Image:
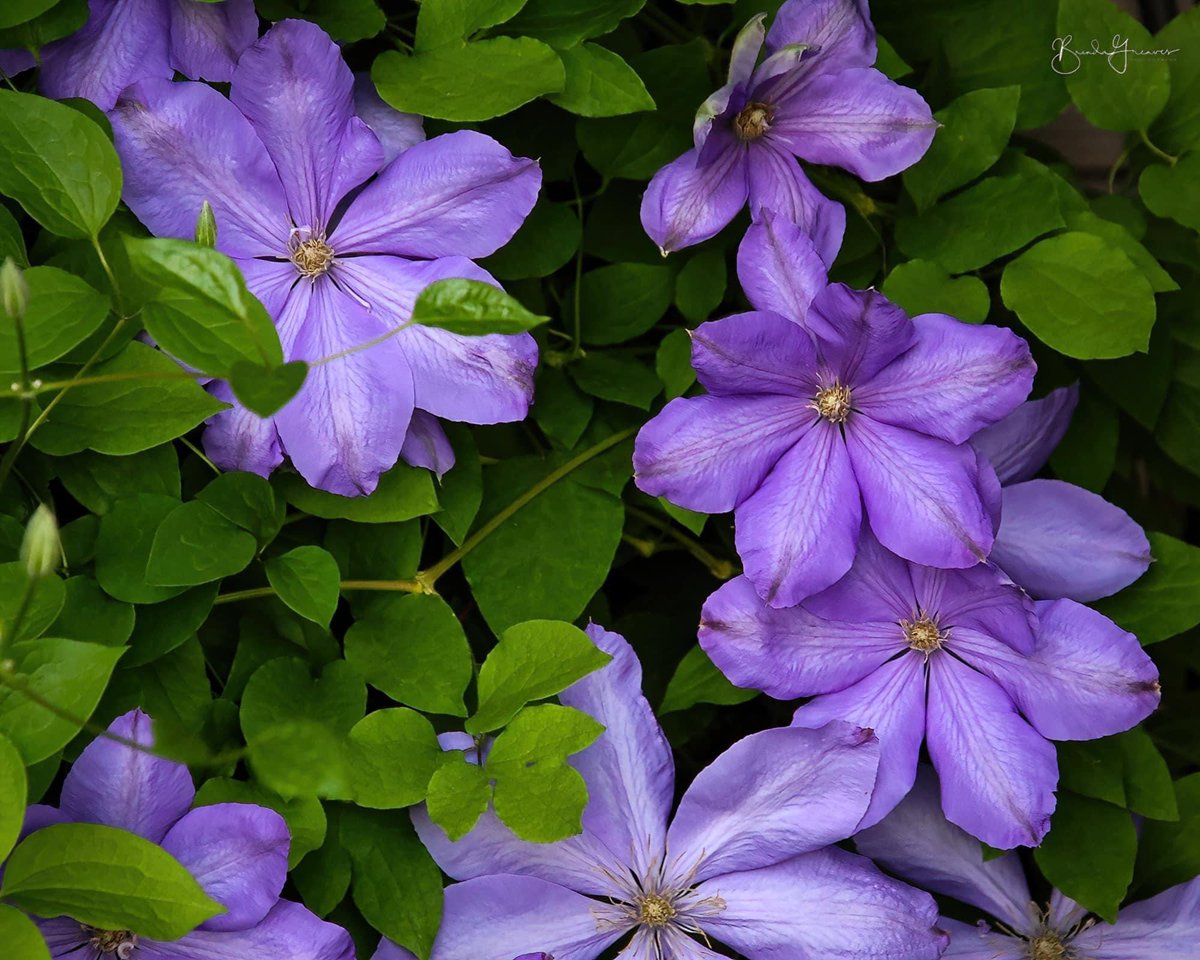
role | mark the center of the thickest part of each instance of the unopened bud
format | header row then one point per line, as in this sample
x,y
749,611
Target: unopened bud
x,y
14,291
41,549
206,226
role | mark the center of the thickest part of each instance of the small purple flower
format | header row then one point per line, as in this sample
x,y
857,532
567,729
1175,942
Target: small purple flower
x,y
745,861
237,852
960,659
128,40
846,404
915,842
1056,539
815,96
338,261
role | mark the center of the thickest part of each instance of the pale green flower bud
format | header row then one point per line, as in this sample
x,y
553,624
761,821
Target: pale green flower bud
x,y
14,291
206,226
41,549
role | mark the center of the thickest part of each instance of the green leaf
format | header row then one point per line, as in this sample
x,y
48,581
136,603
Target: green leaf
x,y
1173,191
304,815
413,648
344,20
444,21
13,787
700,285
1163,603
307,579
124,544
265,390
283,689
469,81
46,598
161,627
63,311
461,488
562,410
89,614
600,84
541,735
98,481
21,936
1089,852
673,363
19,11
458,795
921,286
532,661
247,500
620,301
200,311
1126,770
323,878
1122,92
1080,296
697,680
148,401
1169,853
300,758
546,240
1117,235
404,492
12,242
616,376
195,544
1178,125
1088,452
57,164
472,308
564,23
975,131
392,755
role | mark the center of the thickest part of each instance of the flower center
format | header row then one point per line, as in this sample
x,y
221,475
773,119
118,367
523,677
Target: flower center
x,y
833,403
753,121
120,943
1047,946
312,257
924,636
655,910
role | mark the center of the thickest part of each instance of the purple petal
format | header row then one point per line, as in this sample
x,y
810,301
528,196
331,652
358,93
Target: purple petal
x,y
208,38
118,786
710,453
778,185
824,904
770,796
788,653
779,268
751,353
922,495
838,31
1019,445
916,842
980,599
183,143
13,62
298,94
998,774
891,702
504,916
288,932
877,590
688,201
426,444
629,770
238,853
387,950
239,439
981,942
955,379
796,534
1086,677
1064,913
460,194
1165,927
1059,540
64,936
348,422
395,131
859,332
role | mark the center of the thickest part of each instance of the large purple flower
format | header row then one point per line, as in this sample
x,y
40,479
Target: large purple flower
x,y
337,264
128,40
237,852
745,861
815,96
916,843
845,404
1056,539
960,659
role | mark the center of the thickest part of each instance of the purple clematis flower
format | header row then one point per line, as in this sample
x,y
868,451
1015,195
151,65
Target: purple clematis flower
x,y
128,40
337,263
815,96
745,861
960,659
238,853
825,401
1048,527
915,842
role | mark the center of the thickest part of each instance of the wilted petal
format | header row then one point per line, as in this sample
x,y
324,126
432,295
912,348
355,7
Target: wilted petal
x,y
460,194
395,131
770,796
118,786
1019,445
779,268
288,932
426,444
1086,677
778,185
839,32
1059,540
688,201
998,774
208,38
1166,927
916,842
859,332
954,380
829,904
745,50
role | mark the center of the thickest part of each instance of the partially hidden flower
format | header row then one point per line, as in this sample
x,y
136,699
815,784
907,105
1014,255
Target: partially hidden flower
x,y
961,660
824,403
123,41
815,96
1056,539
337,243
238,853
917,843
745,861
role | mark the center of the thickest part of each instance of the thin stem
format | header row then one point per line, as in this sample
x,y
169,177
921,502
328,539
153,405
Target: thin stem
x,y
1156,150
718,567
25,399
577,337
398,586
108,271
200,453
1117,164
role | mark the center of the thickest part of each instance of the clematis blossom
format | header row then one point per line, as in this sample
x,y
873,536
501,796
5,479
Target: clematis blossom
x,y
815,96
238,853
744,861
917,843
1056,539
961,660
824,403
123,41
337,244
